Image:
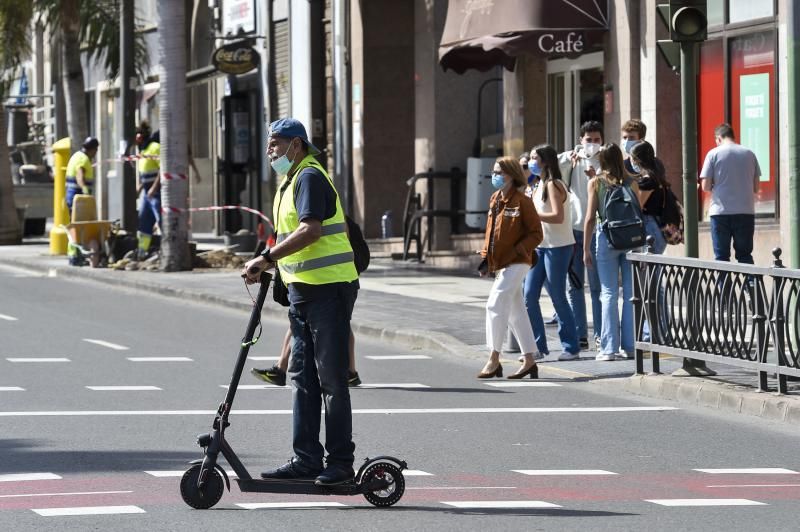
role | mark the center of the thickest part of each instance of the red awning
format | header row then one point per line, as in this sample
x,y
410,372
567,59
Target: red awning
x,y
481,34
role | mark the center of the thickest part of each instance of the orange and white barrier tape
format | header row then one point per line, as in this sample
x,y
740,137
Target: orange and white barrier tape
x,y
260,214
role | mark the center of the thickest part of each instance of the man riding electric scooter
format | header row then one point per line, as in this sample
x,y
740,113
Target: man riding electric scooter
x,y
315,260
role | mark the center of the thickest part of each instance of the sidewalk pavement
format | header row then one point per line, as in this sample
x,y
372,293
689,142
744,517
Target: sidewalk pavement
x,y
422,308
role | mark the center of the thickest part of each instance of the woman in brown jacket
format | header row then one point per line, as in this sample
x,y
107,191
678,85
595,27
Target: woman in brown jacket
x,y
513,231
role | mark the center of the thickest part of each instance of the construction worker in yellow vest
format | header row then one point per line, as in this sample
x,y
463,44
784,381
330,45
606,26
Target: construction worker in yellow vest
x,y
315,260
80,173
148,186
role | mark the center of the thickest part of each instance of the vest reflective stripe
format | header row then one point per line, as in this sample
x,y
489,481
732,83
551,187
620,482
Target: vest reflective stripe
x,y
329,259
326,230
148,177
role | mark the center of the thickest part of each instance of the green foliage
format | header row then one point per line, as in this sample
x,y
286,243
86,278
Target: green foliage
x,y
15,18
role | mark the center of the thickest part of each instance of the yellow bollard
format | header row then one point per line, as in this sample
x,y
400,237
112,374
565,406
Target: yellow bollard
x,y
58,235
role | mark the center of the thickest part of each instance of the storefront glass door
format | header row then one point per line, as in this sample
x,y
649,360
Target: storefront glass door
x,y
574,95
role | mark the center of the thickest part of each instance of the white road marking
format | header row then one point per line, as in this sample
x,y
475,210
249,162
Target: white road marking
x,y
416,473
21,477
563,472
38,359
160,359
179,473
116,347
263,358
500,504
755,486
749,471
123,388
531,410
89,510
6,317
11,389
523,384
258,387
404,385
289,505
706,502
67,494
456,488
399,357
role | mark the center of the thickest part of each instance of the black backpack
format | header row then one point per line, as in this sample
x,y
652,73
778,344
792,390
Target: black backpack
x,y
359,245
623,223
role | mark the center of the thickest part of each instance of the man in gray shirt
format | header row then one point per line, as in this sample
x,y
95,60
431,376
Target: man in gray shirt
x,y
730,172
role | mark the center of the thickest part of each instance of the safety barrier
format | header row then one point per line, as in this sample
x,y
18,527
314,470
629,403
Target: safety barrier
x,y
736,314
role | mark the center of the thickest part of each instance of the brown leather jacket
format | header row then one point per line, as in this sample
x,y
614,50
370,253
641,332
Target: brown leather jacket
x,y
517,230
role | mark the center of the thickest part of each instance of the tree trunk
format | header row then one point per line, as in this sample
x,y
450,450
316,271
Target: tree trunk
x,y
72,73
10,232
175,254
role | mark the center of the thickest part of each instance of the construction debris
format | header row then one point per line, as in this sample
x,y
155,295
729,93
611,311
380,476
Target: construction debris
x,y
215,259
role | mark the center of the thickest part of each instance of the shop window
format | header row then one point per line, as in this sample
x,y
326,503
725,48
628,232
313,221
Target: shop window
x,y
716,12
752,102
743,10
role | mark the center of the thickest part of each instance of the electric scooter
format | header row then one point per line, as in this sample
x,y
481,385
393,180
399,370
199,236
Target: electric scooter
x,y
380,480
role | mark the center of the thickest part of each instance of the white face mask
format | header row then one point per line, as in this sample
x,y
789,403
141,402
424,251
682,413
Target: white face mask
x,y
590,149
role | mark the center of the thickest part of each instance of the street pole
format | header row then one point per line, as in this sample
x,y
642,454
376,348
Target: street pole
x,y
793,31
342,120
689,141
127,128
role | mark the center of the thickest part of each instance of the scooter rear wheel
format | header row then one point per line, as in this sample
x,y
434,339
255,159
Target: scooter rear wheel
x,y
211,493
392,493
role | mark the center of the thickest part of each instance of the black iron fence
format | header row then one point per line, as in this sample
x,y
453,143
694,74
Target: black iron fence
x,y
737,314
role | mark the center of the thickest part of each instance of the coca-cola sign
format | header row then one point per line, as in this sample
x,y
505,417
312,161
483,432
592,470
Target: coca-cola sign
x,y
235,58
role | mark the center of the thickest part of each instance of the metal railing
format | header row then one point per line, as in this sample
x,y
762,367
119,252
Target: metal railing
x,y
736,314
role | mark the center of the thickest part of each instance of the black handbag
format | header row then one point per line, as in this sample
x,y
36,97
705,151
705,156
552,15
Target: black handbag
x,y
280,292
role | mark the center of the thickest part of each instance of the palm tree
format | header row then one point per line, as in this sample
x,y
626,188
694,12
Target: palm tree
x,y
72,72
172,123
15,19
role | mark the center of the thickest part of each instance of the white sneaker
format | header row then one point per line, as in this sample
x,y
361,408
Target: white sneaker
x,y
605,357
569,356
625,355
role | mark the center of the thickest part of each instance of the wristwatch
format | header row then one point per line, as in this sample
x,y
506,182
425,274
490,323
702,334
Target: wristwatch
x,y
267,256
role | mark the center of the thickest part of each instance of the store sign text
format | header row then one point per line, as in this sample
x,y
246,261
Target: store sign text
x,y
571,43
236,58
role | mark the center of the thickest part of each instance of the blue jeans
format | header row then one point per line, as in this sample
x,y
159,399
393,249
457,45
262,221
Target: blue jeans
x,y
651,228
736,227
318,368
577,299
611,264
149,213
551,268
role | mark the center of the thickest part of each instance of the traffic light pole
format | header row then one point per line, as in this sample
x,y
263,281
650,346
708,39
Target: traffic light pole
x,y
129,216
793,48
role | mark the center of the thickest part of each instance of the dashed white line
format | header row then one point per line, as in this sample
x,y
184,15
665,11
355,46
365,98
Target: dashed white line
x,y
6,317
500,504
290,505
416,473
37,359
11,389
749,471
523,384
160,359
258,387
103,343
404,385
178,473
398,357
66,494
706,502
21,477
123,388
263,358
88,510
755,486
459,488
563,472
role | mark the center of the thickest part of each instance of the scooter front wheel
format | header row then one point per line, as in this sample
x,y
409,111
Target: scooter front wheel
x,y
211,493
392,493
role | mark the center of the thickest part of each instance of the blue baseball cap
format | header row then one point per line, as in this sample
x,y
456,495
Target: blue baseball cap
x,y
291,128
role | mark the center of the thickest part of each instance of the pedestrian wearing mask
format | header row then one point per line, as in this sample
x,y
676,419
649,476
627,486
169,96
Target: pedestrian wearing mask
x,y
512,233
611,264
577,168
652,191
551,199
634,132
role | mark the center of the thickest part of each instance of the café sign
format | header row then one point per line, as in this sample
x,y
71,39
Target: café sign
x,y
235,58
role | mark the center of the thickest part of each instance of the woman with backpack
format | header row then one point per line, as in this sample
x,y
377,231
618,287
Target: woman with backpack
x,y
652,192
551,199
513,231
613,181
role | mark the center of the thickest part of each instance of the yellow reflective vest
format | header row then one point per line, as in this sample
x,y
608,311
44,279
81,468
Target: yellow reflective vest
x,y
329,259
149,164
79,159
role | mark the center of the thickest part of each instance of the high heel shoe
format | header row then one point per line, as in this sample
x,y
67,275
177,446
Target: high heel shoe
x,y
498,372
533,371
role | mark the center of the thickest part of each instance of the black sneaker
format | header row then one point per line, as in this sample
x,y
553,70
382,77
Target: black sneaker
x,y
552,321
273,375
584,344
335,475
353,379
293,469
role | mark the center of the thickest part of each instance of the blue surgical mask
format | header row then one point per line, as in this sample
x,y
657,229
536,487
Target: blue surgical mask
x,y
636,168
627,144
534,167
498,181
282,164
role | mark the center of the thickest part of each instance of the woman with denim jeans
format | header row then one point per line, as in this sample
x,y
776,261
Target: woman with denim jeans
x,y
652,191
611,263
551,200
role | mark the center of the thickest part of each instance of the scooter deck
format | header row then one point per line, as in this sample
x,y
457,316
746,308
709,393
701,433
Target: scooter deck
x,y
298,486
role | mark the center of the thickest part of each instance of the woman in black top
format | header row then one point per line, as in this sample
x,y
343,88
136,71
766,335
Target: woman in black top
x,y
652,190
